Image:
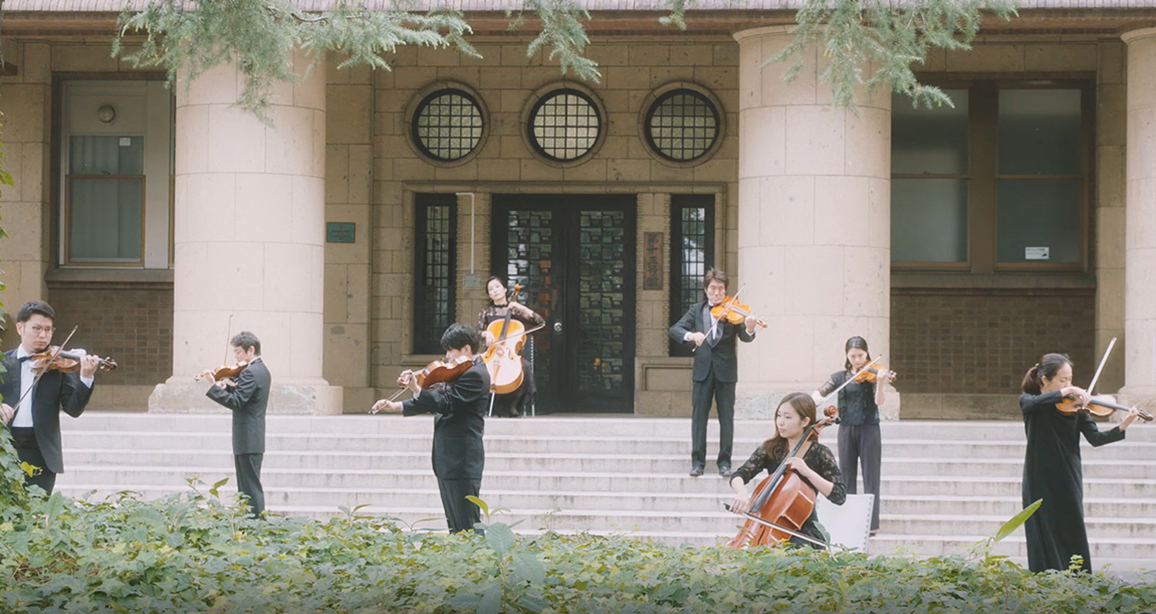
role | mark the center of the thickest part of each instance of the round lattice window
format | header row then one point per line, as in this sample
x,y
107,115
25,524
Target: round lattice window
x,y
682,125
447,125
564,125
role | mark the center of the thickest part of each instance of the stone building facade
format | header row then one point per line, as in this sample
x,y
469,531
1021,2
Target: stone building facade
x,y
962,243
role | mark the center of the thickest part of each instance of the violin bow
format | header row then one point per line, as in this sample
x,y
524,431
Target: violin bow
x,y
726,310
1103,361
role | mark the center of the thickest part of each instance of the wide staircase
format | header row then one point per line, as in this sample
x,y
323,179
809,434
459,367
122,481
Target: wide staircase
x,y
946,485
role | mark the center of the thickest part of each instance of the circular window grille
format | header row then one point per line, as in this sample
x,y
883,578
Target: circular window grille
x,y
447,125
564,125
682,125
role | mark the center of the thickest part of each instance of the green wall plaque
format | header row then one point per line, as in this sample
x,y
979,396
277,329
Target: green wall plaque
x,y
340,232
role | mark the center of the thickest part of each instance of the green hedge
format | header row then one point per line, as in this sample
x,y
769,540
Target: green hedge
x,y
195,553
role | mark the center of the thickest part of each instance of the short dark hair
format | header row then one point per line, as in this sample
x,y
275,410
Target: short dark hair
x,y
31,308
1048,366
458,336
497,279
246,340
714,274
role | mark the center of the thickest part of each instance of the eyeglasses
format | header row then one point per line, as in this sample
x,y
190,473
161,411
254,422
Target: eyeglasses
x,y
42,330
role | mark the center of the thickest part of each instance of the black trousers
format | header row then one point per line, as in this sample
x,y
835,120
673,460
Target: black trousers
x,y
723,394
461,514
249,480
861,443
28,451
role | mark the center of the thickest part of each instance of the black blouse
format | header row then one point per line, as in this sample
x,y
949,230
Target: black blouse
x,y
819,458
856,401
494,312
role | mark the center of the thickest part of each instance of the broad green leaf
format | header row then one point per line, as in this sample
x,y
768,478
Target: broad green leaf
x,y
500,539
527,568
1017,520
491,601
533,604
464,601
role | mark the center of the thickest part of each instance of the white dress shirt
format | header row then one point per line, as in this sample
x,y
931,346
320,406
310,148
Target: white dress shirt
x,y
24,409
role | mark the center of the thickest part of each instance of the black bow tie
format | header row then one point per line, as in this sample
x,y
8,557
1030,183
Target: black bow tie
x,y
25,357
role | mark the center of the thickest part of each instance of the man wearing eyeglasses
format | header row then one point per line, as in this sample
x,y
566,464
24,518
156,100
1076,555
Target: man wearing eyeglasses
x,y
32,403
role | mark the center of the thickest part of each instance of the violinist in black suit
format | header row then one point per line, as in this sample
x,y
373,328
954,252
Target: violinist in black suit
x,y
248,397
458,454
32,403
715,370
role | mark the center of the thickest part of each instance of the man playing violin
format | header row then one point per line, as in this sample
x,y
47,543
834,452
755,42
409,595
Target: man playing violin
x,y
715,370
458,454
33,401
247,396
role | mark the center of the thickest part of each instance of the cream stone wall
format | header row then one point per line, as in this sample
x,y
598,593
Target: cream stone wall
x,y
250,236
348,198
815,234
506,79
1140,255
26,101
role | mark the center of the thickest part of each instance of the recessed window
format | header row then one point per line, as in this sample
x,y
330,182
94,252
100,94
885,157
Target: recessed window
x,y
434,266
682,125
691,253
448,124
564,125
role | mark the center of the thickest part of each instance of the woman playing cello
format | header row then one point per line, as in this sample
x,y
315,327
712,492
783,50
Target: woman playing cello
x,y
1052,466
498,309
815,464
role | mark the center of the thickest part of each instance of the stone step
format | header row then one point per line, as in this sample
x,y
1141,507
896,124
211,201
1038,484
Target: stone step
x,y
531,427
959,524
672,450
368,463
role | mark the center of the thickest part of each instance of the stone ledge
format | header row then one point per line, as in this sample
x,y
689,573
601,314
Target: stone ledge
x,y
296,399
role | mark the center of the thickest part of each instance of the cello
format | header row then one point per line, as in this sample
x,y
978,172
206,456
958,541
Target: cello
x,y
783,501
503,357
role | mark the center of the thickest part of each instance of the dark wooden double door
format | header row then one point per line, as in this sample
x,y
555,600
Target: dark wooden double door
x,y
574,257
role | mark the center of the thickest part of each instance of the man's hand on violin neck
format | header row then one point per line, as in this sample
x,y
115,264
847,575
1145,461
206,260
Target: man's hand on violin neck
x,y
88,365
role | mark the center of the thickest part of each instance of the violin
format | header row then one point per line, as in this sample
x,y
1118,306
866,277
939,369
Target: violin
x,y
1070,407
783,501
224,372
730,310
502,358
435,373
53,358
870,374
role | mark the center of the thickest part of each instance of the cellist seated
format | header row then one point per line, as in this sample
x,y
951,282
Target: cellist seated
x,y
493,314
790,504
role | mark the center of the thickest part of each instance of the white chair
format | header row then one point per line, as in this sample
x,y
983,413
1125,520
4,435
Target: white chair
x,y
848,525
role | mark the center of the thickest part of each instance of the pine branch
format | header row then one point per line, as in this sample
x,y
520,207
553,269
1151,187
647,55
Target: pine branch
x,y
887,38
563,33
259,36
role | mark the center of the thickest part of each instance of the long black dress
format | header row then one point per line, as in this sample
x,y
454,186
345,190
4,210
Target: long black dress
x,y
819,458
1053,472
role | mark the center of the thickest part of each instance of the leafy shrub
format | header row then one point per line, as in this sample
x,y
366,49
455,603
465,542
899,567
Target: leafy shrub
x,y
194,552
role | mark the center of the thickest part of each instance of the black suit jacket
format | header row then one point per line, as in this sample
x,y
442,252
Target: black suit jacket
x,y
721,357
248,400
55,391
461,409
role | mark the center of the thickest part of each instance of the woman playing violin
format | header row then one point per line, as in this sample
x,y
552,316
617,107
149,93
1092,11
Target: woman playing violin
x,y
458,454
816,465
860,441
1052,465
509,404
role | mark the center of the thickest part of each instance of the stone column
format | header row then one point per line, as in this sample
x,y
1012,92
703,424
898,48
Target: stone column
x,y
1140,219
250,238
814,238
26,100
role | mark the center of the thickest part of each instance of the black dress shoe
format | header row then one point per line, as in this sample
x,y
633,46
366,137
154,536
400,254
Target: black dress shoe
x,y
725,471
696,471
